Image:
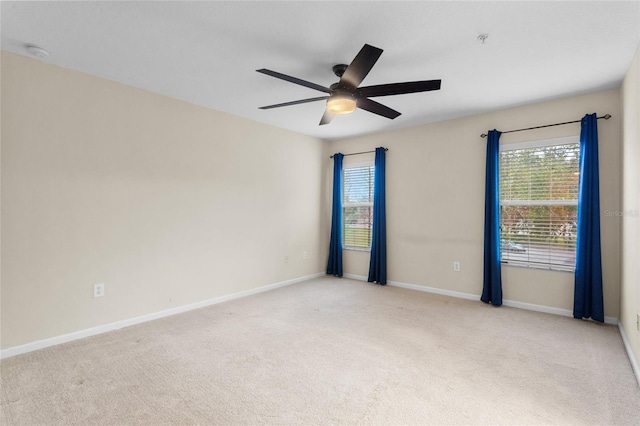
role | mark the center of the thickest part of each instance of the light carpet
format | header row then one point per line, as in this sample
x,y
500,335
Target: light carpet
x,y
332,351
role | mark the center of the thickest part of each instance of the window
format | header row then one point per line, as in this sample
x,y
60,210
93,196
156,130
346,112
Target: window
x,y
357,206
539,203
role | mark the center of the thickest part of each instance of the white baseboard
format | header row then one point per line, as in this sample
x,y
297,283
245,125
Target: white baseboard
x,y
634,362
458,294
551,310
469,296
355,277
52,341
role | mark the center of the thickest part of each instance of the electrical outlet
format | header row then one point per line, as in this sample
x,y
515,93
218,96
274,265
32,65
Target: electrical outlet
x,y
456,266
305,255
98,290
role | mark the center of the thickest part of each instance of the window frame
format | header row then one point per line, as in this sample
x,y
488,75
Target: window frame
x,y
540,143
362,164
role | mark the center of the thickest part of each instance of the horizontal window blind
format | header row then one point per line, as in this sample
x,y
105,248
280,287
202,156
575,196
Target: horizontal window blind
x,y
358,207
539,205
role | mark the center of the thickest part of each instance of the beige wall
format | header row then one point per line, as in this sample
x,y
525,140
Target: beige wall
x,y
168,203
630,288
164,202
435,200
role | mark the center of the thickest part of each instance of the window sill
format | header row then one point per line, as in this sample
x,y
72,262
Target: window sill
x,y
555,268
368,249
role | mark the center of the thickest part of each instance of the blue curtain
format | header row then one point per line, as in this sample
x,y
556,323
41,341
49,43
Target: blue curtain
x,y
334,265
492,282
588,301
378,261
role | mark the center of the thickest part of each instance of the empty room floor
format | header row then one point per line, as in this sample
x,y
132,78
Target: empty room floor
x,y
332,351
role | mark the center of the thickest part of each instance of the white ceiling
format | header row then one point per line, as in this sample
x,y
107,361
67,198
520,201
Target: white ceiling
x,y
207,52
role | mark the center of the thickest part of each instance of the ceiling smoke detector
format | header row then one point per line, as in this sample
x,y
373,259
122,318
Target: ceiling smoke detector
x,y
37,51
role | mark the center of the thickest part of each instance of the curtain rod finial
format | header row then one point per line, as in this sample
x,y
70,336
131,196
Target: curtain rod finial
x,y
607,116
484,135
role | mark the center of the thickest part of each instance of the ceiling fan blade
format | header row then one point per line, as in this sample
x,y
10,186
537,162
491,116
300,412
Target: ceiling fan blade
x,y
326,118
377,108
360,66
398,88
294,80
301,101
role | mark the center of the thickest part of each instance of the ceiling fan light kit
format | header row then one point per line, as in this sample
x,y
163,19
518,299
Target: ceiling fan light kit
x,y
345,95
341,104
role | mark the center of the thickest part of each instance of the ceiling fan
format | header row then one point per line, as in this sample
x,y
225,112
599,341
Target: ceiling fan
x,y
345,95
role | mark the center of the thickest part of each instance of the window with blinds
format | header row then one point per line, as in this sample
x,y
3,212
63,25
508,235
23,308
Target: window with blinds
x,y
539,203
357,204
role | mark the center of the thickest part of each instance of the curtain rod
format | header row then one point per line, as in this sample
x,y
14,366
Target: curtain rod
x,y
606,117
358,153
